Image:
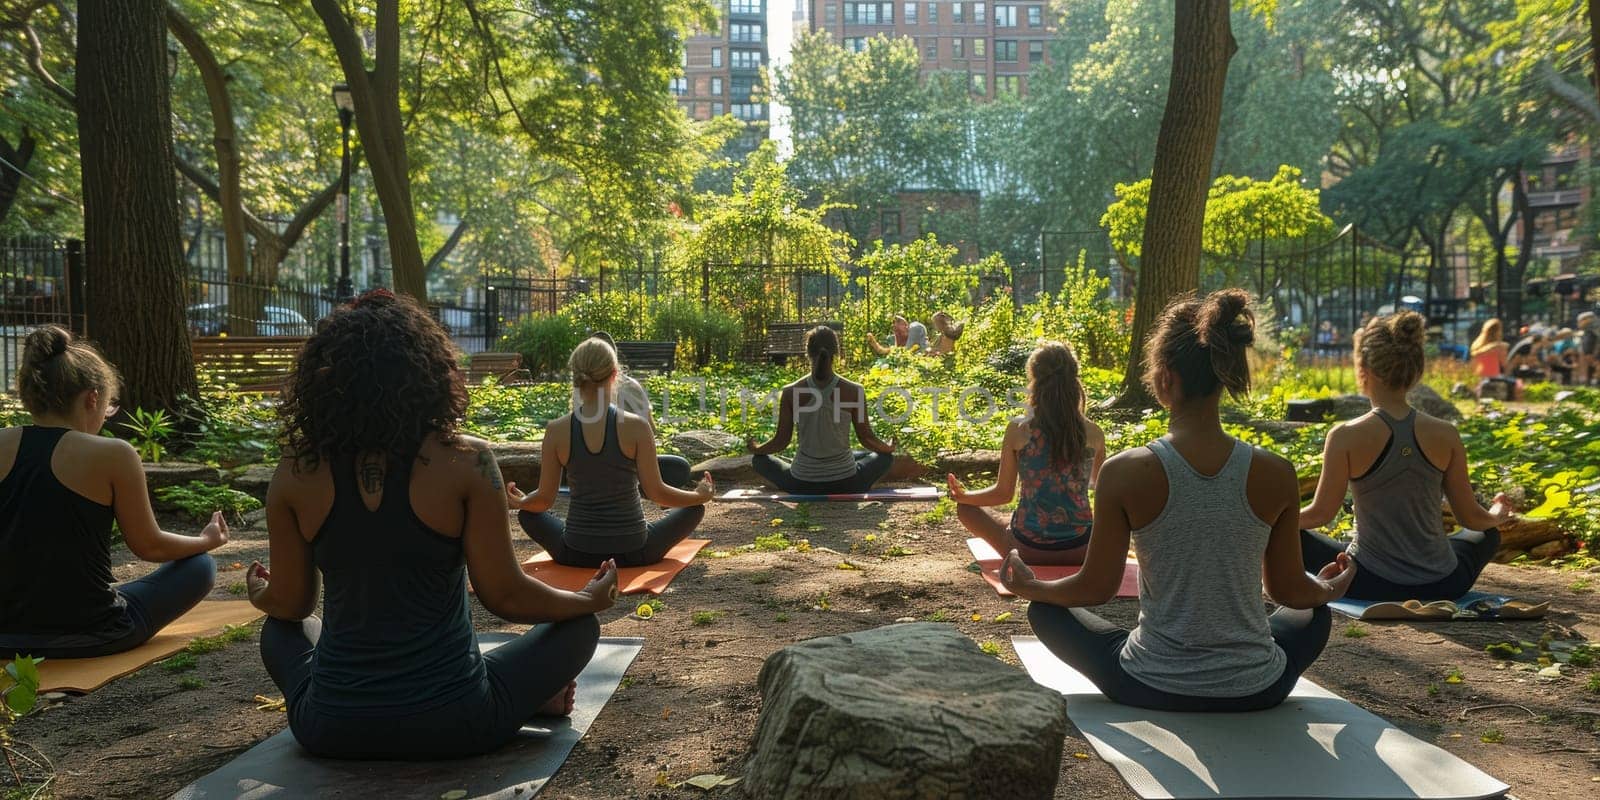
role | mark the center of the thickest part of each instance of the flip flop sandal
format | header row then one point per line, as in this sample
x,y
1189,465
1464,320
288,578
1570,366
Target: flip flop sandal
x,y
1408,610
1510,609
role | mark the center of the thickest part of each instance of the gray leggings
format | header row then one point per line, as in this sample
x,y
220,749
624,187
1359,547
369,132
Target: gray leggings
x,y
1093,646
870,468
520,677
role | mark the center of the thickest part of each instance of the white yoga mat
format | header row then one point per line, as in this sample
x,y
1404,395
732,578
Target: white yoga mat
x,y
1316,746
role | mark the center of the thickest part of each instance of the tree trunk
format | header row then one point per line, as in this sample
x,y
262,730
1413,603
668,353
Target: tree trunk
x,y
133,256
14,170
1202,45
382,130
1513,288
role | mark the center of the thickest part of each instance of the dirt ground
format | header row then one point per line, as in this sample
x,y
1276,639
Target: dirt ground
x,y
689,703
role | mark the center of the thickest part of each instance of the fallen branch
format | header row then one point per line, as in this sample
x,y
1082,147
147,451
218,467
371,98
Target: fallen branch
x,y
1470,709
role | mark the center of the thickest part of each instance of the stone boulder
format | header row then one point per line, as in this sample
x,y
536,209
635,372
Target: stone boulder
x,y
178,473
1350,406
253,480
519,463
730,471
1425,399
968,462
904,711
699,446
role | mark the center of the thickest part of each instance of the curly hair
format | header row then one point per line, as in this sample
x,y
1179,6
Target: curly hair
x,y
379,376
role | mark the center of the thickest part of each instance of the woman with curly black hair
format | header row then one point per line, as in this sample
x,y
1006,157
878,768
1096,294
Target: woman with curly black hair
x,y
378,492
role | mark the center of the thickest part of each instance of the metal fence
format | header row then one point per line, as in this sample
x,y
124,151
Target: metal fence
x,y
41,283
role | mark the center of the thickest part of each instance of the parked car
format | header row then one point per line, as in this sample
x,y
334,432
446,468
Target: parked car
x,y
213,319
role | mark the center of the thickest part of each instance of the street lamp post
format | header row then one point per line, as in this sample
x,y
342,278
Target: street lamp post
x,y
347,107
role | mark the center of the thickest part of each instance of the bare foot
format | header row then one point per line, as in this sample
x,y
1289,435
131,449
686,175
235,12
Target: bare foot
x,y
561,704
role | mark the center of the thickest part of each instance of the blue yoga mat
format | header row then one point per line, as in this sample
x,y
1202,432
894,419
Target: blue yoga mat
x,y
886,495
1355,608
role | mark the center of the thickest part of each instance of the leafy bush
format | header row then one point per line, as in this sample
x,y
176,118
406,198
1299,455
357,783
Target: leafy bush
x,y
545,342
705,333
624,315
198,500
148,432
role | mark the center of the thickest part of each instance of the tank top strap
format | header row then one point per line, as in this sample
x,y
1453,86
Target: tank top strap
x,y
38,445
1171,462
612,445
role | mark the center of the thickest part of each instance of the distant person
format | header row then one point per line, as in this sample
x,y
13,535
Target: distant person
x,y
379,497
911,335
948,332
820,411
1561,355
1212,520
1400,464
1052,456
65,490
609,456
1523,357
632,398
1488,355
1588,348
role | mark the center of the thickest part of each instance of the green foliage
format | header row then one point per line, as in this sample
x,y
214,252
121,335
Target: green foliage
x,y
190,683
1356,630
21,691
545,341
704,617
182,662
772,543
1492,736
211,644
198,500
704,333
148,432
990,647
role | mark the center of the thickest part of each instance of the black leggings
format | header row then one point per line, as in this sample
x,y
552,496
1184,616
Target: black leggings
x,y
674,471
550,532
153,602
870,468
1093,646
1474,549
520,677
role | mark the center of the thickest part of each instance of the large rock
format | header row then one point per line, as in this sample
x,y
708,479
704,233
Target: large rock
x,y
730,471
519,463
701,445
178,473
904,711
969,462
1425,399
1350,406
254,479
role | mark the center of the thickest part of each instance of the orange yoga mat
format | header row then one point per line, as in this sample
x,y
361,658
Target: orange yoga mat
x,y
88,674
630,580
989,561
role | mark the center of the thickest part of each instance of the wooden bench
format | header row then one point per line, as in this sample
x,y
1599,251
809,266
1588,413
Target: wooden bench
x,y
785,340
255,363
503,367
659,357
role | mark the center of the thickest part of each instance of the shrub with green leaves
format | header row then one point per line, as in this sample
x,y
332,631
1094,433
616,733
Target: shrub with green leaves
x,y
544,340
199,500
148,432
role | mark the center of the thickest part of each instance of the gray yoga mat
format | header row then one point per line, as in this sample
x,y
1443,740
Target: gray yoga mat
x,y
1316,746
277,768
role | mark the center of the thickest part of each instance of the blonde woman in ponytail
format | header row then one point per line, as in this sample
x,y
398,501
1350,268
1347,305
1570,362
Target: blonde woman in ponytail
x,y
1400,463
1054,454
62,487
609,456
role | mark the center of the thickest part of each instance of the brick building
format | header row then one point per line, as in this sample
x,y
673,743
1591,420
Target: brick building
x,y
723,69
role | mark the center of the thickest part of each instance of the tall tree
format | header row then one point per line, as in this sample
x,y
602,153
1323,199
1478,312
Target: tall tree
x,y
1202,45
133,262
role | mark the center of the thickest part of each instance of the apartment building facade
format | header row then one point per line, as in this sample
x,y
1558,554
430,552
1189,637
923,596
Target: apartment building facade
x,y
722,69
995,44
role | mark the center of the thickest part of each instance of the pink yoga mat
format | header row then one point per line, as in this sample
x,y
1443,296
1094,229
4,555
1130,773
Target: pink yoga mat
x,y
989,561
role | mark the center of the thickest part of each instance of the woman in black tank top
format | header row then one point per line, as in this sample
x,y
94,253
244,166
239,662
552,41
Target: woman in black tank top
x,y
394,509
56,516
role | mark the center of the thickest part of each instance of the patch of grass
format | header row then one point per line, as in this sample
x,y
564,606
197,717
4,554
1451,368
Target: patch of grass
x,y
1356,630
654,603
627,680
1454,676
822,603
940,512
703,617
189,683
237,588
1581,656
182,662
1433,690
941,616
772,543
1580,586
1492,736
229,635
781,618
1503,650
990,646
896,551
27,791
1594,682
761,578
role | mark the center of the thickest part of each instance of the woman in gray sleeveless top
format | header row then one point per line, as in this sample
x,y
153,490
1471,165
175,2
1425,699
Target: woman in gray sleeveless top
x,y
1399,464
1210,518
609,456
823,409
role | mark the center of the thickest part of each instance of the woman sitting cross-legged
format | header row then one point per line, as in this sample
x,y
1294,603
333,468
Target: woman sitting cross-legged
x,y
1054,453
380,494
1400,463
64,487
1211,519
609,456
823,407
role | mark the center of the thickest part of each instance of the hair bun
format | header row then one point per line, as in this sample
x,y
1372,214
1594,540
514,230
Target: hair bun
x,y
45,343
1408,327
1226,320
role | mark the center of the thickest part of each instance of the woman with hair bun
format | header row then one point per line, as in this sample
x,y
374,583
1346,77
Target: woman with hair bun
x,y
1399,463
1211,520
64,487
823,408
609,456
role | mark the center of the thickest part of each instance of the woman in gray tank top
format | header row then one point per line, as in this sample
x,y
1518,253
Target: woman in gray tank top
x,y
609,456
1399,464
823,409
1210,518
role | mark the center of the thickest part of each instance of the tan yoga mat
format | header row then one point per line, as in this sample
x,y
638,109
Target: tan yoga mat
x,y
989,561
88,674
630,580
1315,746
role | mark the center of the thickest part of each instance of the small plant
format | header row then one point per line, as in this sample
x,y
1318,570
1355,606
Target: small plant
x,y
1594,682
1580,586
1503,650
1454,676
761,578
1433,690
1492,736
189,683
991,647
211,644
781,618
1355,630
182,662
939,513
147,432
896,551
198,500
773,543
822,603
703,617
941,615
1581,656
237,588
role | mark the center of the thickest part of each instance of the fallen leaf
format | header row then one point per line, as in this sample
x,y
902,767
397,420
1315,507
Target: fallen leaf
x,y
1552,671
847,565
977,617
1081,756
705,782
1003,616
453,794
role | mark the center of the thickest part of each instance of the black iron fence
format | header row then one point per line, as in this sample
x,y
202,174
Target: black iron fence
x,y
41,283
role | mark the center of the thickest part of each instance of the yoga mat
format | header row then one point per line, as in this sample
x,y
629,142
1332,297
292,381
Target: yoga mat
x,y
88,674
278,768
1316,746
885,495
989,561
1357,608
630,580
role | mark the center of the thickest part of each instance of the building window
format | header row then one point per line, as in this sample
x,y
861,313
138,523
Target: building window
x,y
978,12
716,109
957,14
678,86
830,14
979,48
889,225
909,13
746,7
1005,16
1007,85
749,111
745,59
1035,16
930,48
958,47
855,44
933,13
869,13
744,32
1005,50
716,86
1035,52
743,86
716,56
980,84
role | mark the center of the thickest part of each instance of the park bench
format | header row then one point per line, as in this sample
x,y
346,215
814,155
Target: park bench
x,y
503,367
254,363
659,357
786,340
